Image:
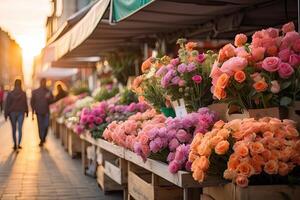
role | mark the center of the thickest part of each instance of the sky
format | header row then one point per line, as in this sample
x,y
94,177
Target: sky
x,y
25,21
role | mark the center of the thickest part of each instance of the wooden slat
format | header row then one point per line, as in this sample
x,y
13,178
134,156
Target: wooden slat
x,y
113,172
112,148
138,188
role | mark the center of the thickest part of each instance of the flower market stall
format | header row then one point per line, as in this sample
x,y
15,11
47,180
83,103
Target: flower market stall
x,y
163,137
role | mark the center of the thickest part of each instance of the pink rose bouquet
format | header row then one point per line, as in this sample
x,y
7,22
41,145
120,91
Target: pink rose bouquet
x,y
248,151
261,74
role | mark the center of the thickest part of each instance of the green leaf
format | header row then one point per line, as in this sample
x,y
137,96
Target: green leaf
x,y
285,85
285,101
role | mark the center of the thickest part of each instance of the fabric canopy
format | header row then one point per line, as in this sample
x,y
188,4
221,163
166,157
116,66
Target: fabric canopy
x,y
79,32
57,73
139,21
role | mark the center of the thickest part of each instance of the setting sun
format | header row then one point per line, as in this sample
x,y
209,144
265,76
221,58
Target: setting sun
x,y
25,20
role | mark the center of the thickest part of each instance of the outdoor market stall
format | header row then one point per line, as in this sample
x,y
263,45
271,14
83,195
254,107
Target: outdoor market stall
x,y
169,142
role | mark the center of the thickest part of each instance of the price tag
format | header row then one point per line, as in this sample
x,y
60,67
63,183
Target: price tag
x,y
180,109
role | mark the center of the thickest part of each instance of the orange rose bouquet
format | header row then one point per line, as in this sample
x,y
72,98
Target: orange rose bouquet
x,y
248,151
261,74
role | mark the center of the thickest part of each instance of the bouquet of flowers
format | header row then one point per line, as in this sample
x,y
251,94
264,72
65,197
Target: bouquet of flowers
x,y
248,151
104,93
153,136
185,77
261,74
97,118
123,133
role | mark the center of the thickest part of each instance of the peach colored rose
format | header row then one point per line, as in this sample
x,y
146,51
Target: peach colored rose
x,y
224,133
146,64
241,150
242,181
240,76
222,81
283,169
229,50
286,154
199,175
245,169
256,148
190,46
258,53
233,162
229,174
238,134
291,131
219,93
203,163
268,134
215,140
260,86
240,40
219,124
288,27
222,147
192,156
204,150
271,167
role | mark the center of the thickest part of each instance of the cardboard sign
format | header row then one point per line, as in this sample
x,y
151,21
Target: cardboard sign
x,y
180,108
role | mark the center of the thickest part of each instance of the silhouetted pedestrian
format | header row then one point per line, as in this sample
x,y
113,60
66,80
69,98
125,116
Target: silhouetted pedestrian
x,y
15,108
40,100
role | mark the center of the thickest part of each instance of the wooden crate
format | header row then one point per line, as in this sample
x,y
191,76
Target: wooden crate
x,y
105,182
64,138
232,192
85,142
115,169
74,143
145,185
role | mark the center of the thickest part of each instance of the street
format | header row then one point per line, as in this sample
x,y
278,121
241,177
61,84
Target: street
x,y
42,173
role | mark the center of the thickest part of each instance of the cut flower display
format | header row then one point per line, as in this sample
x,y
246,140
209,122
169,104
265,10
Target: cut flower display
x,y
168,139
184,77
261,74
248,151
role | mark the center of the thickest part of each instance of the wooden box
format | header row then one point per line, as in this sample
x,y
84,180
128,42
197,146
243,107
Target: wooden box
x,y
232,192
105,182
74,143
144,185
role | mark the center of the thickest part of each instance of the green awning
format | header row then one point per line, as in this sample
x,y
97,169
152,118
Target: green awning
x,y
122,9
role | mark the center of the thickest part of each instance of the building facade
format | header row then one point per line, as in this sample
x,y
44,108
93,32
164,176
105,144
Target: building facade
x,y
10,59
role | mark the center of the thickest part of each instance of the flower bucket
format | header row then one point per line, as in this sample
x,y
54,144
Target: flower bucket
x,y
168,112
220,108
256,113
294,113
257,192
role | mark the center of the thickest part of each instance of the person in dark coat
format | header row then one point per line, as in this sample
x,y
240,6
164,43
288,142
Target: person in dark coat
x,y
15,108
61,93
41,98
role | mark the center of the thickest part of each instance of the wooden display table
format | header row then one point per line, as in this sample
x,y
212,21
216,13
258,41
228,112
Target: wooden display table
x,y
146,180
73,142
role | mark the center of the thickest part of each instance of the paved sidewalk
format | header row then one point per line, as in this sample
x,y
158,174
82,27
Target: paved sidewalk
x,y
42,173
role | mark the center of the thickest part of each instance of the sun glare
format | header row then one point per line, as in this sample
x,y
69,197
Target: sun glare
x,y
31,47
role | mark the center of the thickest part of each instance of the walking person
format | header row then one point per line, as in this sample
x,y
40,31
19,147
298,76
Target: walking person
x,y
61,93
15,109
41,98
